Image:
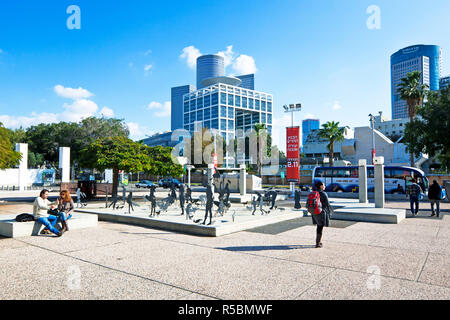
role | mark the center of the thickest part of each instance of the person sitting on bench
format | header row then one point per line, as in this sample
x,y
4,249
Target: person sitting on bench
x,y
66,207
40,212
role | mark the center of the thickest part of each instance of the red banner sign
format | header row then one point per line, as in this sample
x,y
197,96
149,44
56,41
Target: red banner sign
x,y
293,154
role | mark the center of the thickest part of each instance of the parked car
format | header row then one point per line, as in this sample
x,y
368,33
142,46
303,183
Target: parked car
x,y
167,182
144,184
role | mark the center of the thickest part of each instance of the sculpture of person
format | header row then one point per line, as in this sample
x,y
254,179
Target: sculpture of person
x,y
261,204
272,196
173,193
152,200
254,204
227,193
182,199
130,201
209,204
124,194
189,195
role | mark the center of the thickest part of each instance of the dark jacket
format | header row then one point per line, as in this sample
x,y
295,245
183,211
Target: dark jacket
x,y
323,219
434,192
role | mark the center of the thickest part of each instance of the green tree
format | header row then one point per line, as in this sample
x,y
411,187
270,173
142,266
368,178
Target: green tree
x,y
116,153
8,157
162,163
332,133
413,91
429,133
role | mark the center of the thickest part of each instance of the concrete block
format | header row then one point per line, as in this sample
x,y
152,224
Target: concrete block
x,y
10,228
377,215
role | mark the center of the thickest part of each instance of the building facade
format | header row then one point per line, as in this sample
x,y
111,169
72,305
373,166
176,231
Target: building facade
x,y
209,66
307,126
444,82
177,93
390,128
423,58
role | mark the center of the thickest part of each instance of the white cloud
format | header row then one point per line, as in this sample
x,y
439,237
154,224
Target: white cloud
x,y
161,110
146,53
148,67
309,116
191,54
138,132
71,93
14,122
107,112
337,105
79,109
244,64
228,56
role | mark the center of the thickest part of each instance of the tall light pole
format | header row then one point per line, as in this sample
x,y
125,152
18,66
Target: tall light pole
x,y
291,109
374,153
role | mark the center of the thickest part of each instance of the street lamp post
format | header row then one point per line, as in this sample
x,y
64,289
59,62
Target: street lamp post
x,y
372,121
291,109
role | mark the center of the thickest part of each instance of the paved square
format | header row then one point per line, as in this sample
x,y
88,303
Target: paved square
x,y
410,260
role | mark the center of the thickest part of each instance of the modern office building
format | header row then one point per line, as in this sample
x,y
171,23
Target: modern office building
x,y
209,66
177,94
307,126
423,58
444,82
248,81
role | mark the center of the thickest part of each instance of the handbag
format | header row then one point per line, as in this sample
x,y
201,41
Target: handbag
x,y
53,212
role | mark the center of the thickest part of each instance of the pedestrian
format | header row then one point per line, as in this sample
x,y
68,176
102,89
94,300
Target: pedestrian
x,y
254,205
413,190
434,195
323,219
41,206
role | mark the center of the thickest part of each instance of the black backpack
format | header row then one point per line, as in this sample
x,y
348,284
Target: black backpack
x,y
24,217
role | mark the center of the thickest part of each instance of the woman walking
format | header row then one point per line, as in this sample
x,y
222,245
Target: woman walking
x,y
323,219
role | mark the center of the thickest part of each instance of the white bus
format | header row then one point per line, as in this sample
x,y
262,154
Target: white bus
x,y
346,179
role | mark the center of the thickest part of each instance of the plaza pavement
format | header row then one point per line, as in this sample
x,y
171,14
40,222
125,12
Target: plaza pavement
x,y
116,261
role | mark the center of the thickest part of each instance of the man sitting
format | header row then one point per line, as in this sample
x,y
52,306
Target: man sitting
x,y
40,211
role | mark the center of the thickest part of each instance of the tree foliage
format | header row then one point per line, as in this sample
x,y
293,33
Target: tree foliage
x,y
332,133
429,133
8,157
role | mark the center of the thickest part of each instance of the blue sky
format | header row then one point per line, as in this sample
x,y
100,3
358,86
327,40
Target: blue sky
x,y
128,54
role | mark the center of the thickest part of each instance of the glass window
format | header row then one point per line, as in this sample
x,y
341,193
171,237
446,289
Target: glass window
x,y
250,103
223,111
263,106
193,104
215,124
186,127
186,118
244,102
199,103
263,118
257,104
230,100
193,118
269,119
223,124
223,98
237,101
230,125
231,112
186,106
269,106
207,101
370,173
206,124
215,99
191,127
207,114
354,173
199,115
214,112
269,129
255,118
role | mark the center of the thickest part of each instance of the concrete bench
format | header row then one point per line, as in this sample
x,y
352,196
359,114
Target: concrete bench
x,y
10,228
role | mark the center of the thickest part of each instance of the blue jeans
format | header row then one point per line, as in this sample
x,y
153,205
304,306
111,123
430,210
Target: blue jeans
x,y
414,201
50,222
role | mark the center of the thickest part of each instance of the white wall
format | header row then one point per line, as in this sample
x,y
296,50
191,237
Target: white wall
x,y
10,177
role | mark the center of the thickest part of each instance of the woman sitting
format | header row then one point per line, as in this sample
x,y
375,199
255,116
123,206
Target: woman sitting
x,y
41,206
65,208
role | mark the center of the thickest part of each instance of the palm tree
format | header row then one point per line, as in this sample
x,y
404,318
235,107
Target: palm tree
x,y
413,91
332,133
259,128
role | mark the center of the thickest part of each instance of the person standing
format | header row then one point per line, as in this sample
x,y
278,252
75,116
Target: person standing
x,y
41,205
66,207
323,219
434,194
413,191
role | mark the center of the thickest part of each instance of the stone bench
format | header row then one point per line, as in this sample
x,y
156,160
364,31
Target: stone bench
x,y
10,228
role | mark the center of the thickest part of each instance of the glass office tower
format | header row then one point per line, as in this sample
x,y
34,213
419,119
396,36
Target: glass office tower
x,y
423,58
227,108
307,126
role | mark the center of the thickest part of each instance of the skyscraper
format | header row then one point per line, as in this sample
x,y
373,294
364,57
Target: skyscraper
x,y
209,66
176,115
444,82
307,126
423,58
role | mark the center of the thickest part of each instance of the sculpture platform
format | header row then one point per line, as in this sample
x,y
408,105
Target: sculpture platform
x,y
235,220
10,228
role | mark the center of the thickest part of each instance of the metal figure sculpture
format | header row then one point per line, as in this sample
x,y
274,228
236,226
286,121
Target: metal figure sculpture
x,y
271,195
181,197
209,204
130,201
152,199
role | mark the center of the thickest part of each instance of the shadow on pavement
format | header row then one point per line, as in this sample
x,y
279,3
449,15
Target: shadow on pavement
x,y
262,248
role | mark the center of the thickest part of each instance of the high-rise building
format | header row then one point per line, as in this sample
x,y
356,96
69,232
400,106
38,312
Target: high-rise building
x,y
444,82
423,58
248,81
209,66
307,126
177,94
